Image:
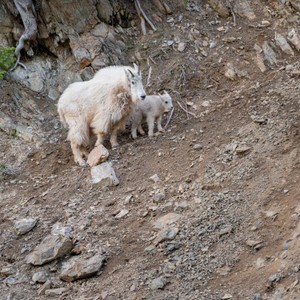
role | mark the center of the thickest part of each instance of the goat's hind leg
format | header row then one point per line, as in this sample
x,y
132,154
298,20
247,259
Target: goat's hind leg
x,y
78,136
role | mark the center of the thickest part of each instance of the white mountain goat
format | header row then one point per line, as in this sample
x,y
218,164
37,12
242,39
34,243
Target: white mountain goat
x,y
151,109
99,106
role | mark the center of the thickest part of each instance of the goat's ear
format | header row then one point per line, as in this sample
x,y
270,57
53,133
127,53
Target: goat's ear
x,y
165,92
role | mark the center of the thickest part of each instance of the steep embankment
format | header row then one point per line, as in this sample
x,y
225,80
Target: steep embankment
x,y
226,194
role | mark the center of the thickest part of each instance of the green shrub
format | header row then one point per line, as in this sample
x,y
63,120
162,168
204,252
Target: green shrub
x,y
7,60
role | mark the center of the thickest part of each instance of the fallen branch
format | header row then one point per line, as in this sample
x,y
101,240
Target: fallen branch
x,y
143,25
153,61
183,75
232,12
143,17
186,111
149,76
169,118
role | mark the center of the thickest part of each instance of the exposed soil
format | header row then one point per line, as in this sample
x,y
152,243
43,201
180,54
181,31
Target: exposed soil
x,y
228,163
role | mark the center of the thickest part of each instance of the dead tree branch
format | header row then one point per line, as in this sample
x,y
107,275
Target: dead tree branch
x,y
183,75
28,16
169,118
143,17
186,111
232,12
149,73
149,77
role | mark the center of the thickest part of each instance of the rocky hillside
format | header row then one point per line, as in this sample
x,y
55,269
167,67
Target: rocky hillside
x,y
207,210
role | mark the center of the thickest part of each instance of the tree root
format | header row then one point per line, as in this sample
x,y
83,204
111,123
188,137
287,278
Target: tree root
x,y
28,16
18,63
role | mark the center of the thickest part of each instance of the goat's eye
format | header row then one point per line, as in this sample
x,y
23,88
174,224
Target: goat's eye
x,y
166,102
132,82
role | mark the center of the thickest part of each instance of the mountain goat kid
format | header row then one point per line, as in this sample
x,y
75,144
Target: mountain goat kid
x,y
99,106
151,109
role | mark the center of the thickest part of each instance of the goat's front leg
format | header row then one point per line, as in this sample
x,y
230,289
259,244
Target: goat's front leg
x,y
159,127
77,154
150,122
83,151
114,138
133,131
100,139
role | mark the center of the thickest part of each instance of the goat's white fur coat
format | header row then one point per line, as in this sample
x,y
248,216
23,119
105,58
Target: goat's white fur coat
x,y
101,106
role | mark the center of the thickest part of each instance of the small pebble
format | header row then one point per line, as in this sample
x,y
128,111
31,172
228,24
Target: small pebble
x,y
40,277
122,213
155,178
197,147
157,283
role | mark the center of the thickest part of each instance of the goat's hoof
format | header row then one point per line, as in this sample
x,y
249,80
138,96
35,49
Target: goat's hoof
x,y
115,146
82,163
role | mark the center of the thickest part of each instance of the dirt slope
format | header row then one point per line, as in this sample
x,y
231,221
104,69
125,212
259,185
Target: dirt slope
x,y
228,165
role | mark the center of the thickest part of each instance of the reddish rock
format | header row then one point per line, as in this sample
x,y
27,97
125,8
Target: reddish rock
x,y
98,155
